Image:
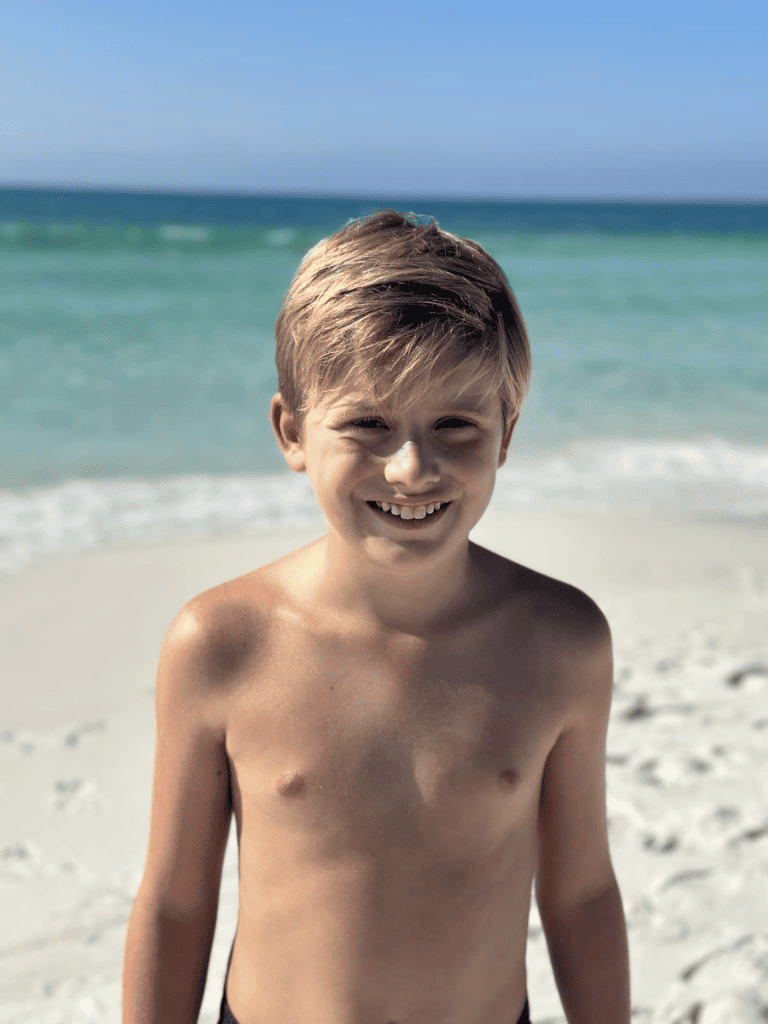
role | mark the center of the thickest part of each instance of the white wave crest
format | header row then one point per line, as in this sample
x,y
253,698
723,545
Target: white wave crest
x,y
85,514
713,477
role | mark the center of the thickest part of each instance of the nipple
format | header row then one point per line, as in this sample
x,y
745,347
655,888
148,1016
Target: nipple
x,y
508,778
291,783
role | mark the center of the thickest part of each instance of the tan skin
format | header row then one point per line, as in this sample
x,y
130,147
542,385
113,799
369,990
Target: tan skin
x,y
409,729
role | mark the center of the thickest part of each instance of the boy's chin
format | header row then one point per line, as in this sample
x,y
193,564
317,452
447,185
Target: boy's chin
x,y
390,558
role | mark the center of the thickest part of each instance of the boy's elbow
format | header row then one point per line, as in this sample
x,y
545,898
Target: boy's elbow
x,y
153,904
553,906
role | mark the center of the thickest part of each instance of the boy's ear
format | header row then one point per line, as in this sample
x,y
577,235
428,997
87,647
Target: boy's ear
x,y
287,434
505,441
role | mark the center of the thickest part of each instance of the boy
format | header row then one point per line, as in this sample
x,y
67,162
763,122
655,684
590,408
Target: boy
x,y
408,727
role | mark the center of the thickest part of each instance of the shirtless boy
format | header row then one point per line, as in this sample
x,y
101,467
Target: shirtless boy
x,y
408,727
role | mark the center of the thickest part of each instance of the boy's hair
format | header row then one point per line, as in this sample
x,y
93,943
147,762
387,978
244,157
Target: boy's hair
x,y
394,304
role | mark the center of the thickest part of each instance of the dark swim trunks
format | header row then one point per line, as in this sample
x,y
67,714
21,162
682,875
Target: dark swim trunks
x,y
225,1014
227,1017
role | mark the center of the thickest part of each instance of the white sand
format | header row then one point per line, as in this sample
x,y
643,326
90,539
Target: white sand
x,y
687,758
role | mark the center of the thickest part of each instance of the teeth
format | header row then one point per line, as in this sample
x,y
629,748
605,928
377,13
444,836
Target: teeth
x,y
406,512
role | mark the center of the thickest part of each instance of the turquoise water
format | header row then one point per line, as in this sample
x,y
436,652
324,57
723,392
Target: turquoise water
x,y
137,358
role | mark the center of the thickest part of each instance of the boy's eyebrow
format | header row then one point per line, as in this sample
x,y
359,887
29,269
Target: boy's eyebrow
x,y
471,403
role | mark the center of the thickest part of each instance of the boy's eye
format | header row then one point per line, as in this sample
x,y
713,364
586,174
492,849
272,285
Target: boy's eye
x,y
456,423
368,424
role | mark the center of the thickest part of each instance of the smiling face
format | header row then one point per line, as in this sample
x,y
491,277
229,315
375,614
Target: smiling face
x,y
444,449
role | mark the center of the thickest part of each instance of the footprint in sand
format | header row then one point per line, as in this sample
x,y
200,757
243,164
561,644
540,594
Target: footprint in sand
x,y
647,773
21,742
749,676
23,861
727,985
638,711
750,835
18,860
24,741
78,796
656,845
73,736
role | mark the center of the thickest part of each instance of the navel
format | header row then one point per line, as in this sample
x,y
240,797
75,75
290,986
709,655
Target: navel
x,y
291,783
508,778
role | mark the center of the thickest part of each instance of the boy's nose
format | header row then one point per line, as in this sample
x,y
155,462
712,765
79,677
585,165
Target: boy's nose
x,y
412,462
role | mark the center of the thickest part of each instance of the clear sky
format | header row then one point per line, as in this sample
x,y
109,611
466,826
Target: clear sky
x,y
560,99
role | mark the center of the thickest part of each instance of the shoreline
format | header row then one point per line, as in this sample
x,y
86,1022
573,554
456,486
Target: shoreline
x,y
688,606
704,481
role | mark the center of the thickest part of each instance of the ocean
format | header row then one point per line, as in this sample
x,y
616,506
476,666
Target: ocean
x,y
137,359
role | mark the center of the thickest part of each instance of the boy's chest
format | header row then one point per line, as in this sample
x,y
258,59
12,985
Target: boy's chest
x,y
355,746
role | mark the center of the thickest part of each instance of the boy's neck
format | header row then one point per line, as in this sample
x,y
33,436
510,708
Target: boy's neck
x,y
390,599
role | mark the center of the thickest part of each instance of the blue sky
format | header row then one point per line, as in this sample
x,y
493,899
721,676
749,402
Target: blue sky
x,y
474,99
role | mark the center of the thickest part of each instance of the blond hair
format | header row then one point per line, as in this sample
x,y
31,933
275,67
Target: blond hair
x,y
394,302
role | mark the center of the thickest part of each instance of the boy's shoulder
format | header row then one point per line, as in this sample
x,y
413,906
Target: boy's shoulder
x,y
561,625
224,626
564,608
572,629
558,608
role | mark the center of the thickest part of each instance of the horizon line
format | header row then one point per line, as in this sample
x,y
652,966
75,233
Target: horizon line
x,y
694,199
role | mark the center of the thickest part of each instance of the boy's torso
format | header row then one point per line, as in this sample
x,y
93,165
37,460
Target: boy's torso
x,y
386,793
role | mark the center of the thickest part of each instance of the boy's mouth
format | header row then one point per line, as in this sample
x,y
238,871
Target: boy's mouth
x,y
417,516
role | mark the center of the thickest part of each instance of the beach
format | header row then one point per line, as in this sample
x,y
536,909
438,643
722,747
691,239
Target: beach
x,y
138,468
687,754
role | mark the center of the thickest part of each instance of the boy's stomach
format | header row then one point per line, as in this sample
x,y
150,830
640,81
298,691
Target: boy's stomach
x,y
381,938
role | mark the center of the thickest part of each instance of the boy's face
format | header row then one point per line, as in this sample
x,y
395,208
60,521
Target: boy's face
x,y
445,449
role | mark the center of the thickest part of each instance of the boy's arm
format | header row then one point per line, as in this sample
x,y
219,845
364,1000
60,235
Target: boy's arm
x,y
171,926
576,890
